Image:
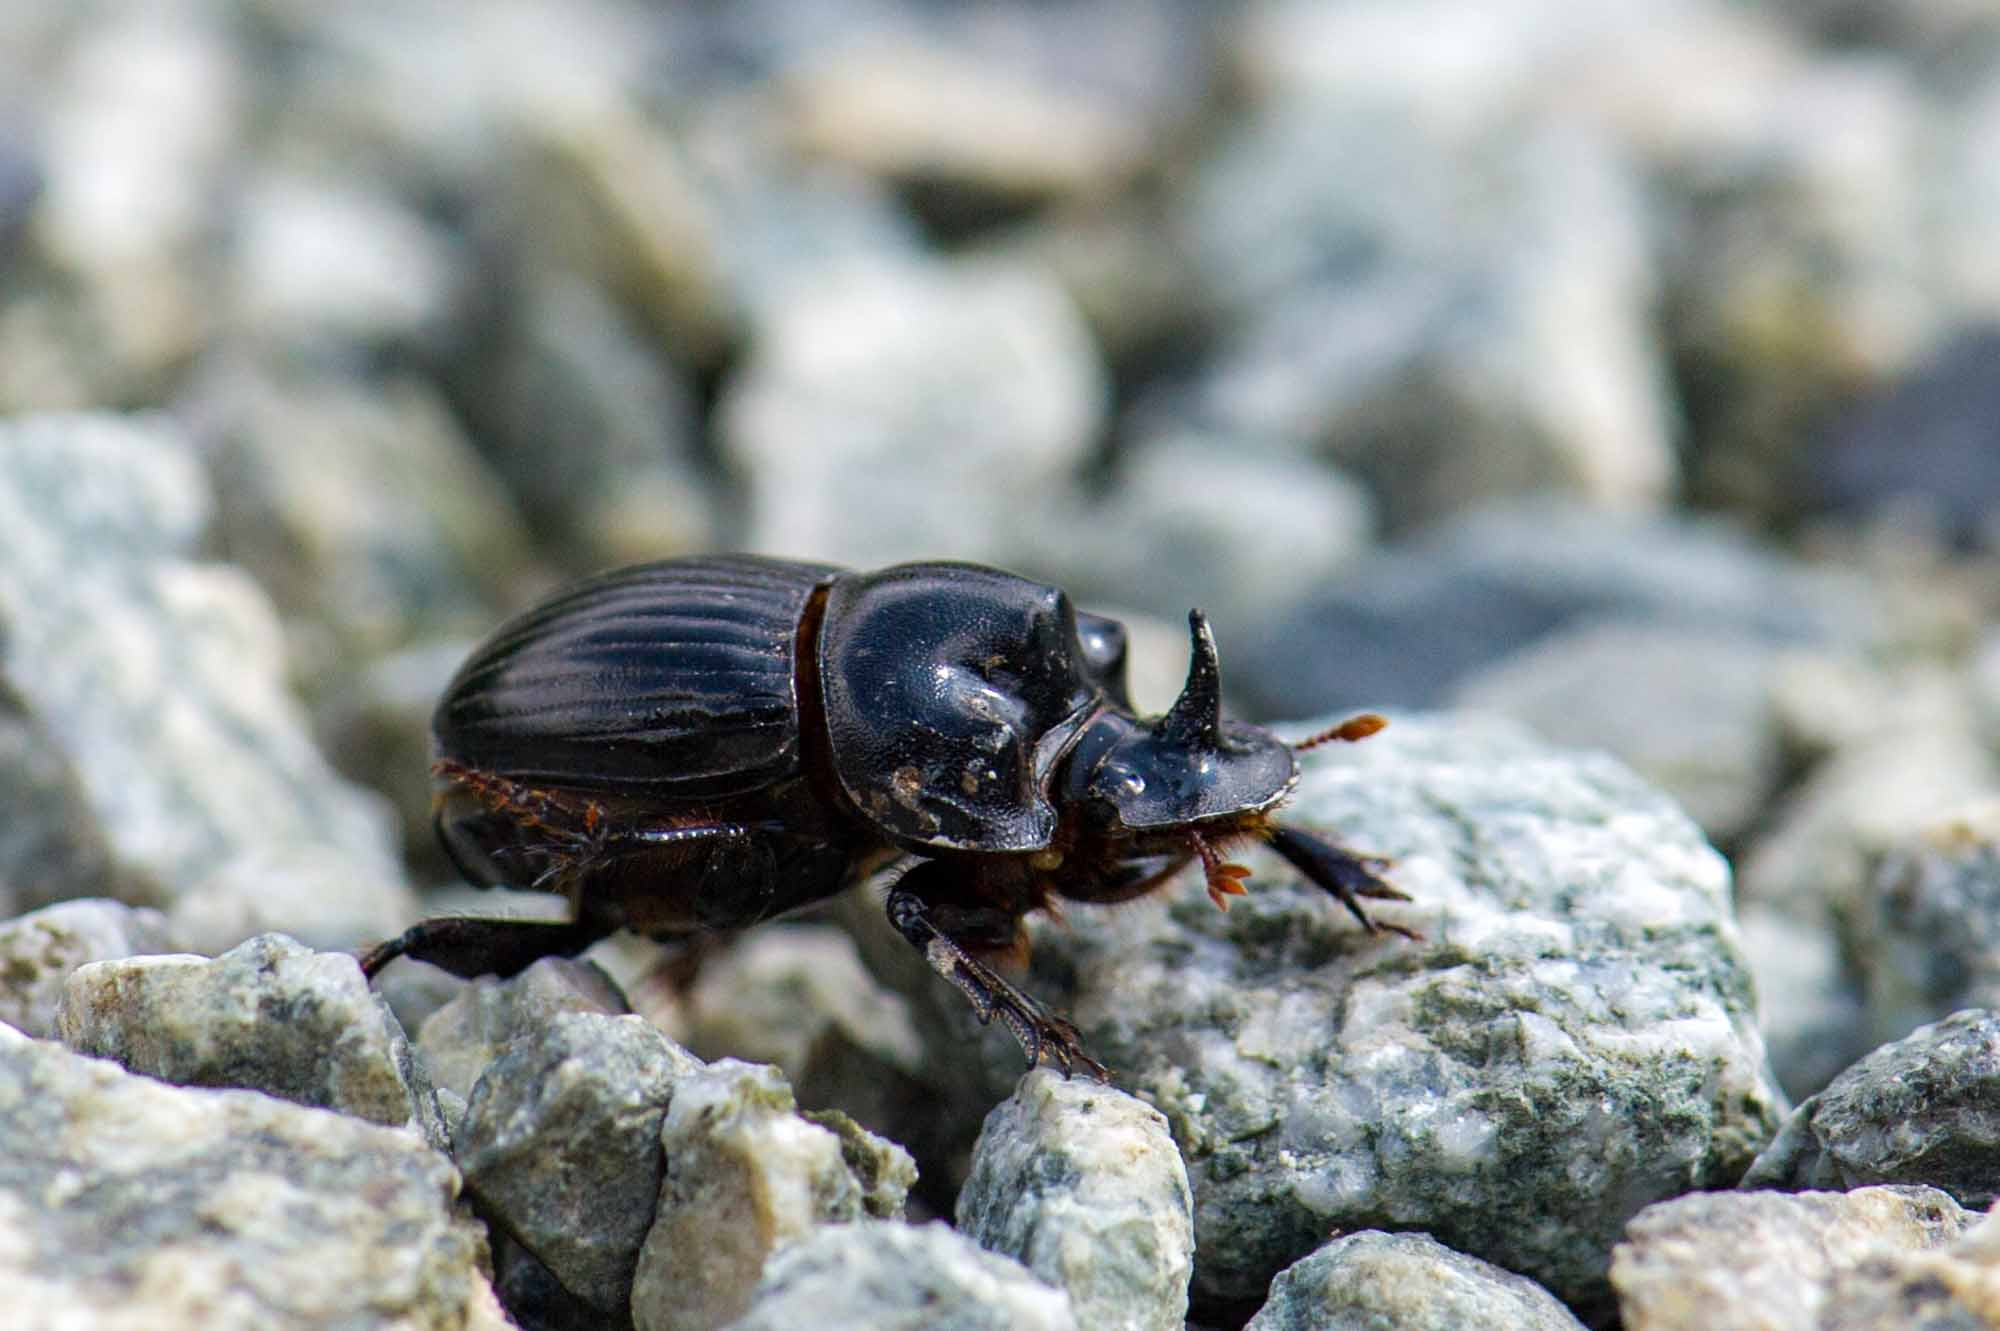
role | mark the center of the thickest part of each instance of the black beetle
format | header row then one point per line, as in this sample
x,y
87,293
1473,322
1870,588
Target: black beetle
x,y
704,743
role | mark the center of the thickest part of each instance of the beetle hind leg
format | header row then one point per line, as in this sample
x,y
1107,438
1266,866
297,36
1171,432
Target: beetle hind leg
x,y
1346,875
473,945
1042,1033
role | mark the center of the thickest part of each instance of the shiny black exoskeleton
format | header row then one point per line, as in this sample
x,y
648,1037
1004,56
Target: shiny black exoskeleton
x,y
705,743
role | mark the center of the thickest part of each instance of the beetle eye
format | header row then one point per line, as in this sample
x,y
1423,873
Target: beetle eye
x,y
1132,784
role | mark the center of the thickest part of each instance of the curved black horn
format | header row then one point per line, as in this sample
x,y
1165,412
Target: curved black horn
x,y
1196,716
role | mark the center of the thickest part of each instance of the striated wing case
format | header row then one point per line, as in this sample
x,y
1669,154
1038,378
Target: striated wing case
x,y
671,680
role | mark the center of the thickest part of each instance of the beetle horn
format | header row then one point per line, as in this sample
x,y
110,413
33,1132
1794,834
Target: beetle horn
x,y
1196,717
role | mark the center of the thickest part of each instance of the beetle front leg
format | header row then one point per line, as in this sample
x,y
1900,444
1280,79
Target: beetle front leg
x,y
1040,1031
1346,875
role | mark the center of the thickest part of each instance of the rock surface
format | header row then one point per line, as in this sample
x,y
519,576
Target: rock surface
x,y
1407,1281
270,1015
159,683
560,1145
745,1176
128,1204
1923,1110
40,949
1082,1184
1574,1038
886,1276
1766,1261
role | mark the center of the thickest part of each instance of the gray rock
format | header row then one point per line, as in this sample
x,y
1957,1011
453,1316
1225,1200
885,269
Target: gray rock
x,y
560,1145
358,502
880,1275
270,1015
910,411
51,846
1767,1261
1787,296
1814,857
1808,1005
1394,289
1081,1183
1407,1281
489,1016
594,433
40,949
1211,521
745,1175
1402,628
779,994
336,260
1925,1109
128,1203
1925,938
1687,708
161,684
1576,1037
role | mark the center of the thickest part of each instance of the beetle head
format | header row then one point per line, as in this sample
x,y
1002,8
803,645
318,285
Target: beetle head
x,y
1185,767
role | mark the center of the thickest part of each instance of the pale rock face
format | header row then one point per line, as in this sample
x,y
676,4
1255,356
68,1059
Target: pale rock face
x,y
1082,1184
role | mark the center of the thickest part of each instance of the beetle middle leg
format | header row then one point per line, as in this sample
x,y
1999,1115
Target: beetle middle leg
x,y
1346,875
920,907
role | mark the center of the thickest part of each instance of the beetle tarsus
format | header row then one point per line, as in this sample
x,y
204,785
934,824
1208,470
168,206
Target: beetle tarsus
x,y
1345,874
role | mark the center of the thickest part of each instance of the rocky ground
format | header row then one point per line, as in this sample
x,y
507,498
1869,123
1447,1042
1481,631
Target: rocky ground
x,y
1606,393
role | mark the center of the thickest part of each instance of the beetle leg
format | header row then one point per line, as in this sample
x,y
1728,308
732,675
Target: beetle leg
x,y
474,945
1348,876
1041,1033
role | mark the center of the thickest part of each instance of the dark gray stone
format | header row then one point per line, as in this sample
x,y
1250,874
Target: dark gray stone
x,y
1925,1109
560,1145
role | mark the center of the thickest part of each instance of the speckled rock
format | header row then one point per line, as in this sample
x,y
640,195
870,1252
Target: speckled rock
x,y
1767,1261
1401,628
745,1176
560,1144
128,1204
1950,1287
1706,736
1925,1109
910,411
270,1015
880,1275
1081,1183
1574,1038
161,683
1924,940
1410,1282
40,949
489,1016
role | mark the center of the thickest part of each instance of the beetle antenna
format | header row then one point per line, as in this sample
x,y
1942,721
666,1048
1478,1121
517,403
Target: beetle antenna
x,y
1196,717
1353,728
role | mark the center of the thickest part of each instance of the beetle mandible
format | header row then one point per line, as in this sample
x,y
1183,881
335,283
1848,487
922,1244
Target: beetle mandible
x,y
701,744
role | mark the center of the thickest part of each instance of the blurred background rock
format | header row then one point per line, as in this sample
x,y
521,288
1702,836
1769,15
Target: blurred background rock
x,y
1631,369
